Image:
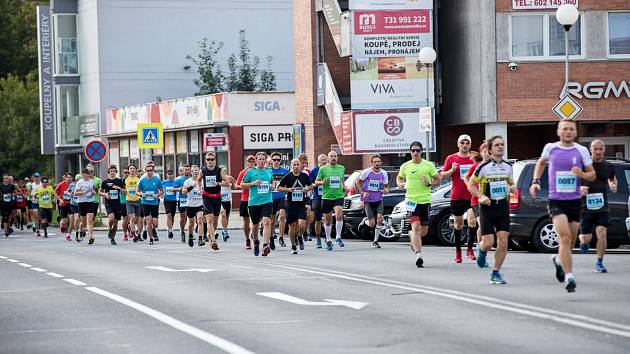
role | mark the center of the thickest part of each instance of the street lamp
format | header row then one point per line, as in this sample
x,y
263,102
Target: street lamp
x,y
567,15
427,57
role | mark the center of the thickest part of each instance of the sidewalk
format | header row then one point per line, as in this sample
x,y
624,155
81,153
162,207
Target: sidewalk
x,y
235,222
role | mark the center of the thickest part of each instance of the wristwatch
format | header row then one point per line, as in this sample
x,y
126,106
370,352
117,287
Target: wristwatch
x,y
536,181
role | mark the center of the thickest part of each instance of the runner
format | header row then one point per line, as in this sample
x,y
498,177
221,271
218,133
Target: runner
x,y
194,204
45,196
226,206
373,183
474,231
35,185
212,178
150,189
73,216
63,200
133,202
296,184
279,199
418,175
569,164
27,193
20,202
97,187
309,210
595,212
170,200
84,190
260,203
110,190
492,183
330,177
456,166
7,190
184,174
123,206
243,209
150,163
316,203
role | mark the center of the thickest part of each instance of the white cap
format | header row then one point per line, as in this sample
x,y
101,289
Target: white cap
x,y
464,137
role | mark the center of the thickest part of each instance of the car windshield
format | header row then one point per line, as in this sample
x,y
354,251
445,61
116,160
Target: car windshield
x,y
517,169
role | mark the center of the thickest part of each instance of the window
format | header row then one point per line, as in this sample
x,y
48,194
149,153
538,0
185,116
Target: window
x,y
67,109
67,61
619,33
540,36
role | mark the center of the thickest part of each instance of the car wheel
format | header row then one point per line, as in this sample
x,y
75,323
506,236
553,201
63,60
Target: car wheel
x,y
387,231
444,234
545,238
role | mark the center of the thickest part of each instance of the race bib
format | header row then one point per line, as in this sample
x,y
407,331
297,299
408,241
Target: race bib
x,y
297,196
211,181
89,197
263,188
320,190
226,195
20,199
74,200
374,186
45,199
66,195
196,195
113,194
182,202
6,198
498,190
132,192
594,201
335,182
169,191
410,205
566,182
463,170
149,196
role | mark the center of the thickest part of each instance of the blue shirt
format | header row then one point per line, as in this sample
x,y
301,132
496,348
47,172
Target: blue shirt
x,y
169,194
317,190
149,188
259,195
278,174
179,182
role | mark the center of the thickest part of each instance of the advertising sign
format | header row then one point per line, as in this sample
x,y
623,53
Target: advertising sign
x,y
46,101
213,140
332,13
541,4
265,137
88,124
298,139
390,4
385,132
391,33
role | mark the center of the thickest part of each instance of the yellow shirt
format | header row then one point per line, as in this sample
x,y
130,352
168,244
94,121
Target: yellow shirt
x,y
131,186
45,197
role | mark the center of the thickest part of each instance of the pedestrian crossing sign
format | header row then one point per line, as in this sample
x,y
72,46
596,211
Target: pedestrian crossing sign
x,y
150,136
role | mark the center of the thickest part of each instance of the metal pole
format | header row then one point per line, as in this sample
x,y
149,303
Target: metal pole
x,y
427,86
566,60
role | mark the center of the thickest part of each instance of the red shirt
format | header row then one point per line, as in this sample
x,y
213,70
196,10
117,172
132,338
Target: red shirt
x,y
459,191
61,188
20,198
473,200
239,180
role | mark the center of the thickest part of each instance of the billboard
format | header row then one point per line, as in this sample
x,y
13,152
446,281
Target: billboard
x,y
265,137
390,4
389,132
46,98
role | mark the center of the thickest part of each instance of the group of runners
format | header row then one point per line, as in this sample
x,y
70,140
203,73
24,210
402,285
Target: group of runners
x,y
303,199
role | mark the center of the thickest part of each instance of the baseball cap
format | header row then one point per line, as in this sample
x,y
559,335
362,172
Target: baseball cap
x,y
36,174
464,137
250,157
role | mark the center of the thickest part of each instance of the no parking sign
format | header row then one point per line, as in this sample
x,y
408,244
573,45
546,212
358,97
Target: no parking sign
x,y
95,151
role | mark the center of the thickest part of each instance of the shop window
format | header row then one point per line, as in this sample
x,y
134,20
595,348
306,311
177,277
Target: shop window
x,y
67,61
68,127
619,34
536,36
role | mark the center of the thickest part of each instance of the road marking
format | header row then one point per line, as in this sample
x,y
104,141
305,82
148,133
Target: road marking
x,y
12,260
25,265
209,338
166,269
327,302
3,257
38,269
54,275
75,282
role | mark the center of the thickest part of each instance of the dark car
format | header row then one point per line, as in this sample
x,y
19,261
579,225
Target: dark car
x,y
529,219
354,213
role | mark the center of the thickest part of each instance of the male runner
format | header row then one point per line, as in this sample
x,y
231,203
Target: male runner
x,y
123,206
295,184
73,216
97,185
595,212
279,198
20,202
316,196
243,209
150,189
7,190
84,190
45,197
63,200
373,183
495,182
226,206
35,185
330,177
309,210
212,178
184,174
474,231
133,202
110,190
569,164
260,204
456,166
170,200
194,205
418,175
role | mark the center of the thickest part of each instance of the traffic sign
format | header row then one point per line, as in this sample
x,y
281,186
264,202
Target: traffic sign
x,y
95,151
150,136
567,108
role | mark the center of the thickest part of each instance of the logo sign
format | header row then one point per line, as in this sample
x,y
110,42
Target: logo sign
x,y
267,137
95,151
541,4
213,139
393,126
567,108
401,129
150,136
46,101
596,90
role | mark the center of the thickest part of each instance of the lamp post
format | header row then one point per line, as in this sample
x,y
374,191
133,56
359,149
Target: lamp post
x,y
567,15
427,57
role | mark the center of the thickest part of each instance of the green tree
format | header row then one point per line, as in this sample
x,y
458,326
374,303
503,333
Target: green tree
x,y
248,68
18,37
267,78
233,78
211,79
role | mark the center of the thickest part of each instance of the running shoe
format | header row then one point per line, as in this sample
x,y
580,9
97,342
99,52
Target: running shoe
x,y
375,244
256,248
281,242
458,256
214,246
584,248
113,242
293,249
570,285
77,238
248,244
6,235
200,242
170,234
329,246
266,250
38,234
135,239
144,235
62,229
225,235
559,270
419,262
191,241
183,235
34,229
600,268
133,234
91,241
470,254
150,241
45,234
125,237
309,237
339,242
301,242
155,237
272,245
319,242
481,258
68,238
10,230
497,278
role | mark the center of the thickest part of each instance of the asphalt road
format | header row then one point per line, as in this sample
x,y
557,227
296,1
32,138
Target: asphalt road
x,y
66,297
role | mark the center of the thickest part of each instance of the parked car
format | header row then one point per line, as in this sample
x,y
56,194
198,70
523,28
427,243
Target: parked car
x,y
354,212
529,220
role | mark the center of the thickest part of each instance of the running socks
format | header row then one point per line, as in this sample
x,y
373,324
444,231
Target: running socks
x,y
472,236
377,231
338,228
458,239
328,229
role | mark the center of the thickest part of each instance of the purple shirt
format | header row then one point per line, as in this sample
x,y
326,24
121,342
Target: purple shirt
x,y
373,184
564,185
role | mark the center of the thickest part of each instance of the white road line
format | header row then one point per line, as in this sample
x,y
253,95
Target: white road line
x,y
533,311
38,269
54,275
3,257
25,265
209,338
12,260
75,282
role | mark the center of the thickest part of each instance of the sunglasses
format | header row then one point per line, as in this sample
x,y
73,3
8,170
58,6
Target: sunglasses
x,y
209,159
416,150
464,143
276,160
251,160
149,170
126,172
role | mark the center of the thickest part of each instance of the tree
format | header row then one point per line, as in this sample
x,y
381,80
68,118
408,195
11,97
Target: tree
x,y
248,68
211,79
232,79
18,35
267,78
